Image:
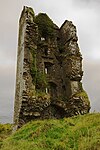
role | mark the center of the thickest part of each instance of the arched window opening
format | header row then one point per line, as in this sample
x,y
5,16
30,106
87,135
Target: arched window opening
x,y
47,67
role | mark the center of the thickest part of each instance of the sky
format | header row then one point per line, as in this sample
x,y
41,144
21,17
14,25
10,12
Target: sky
x,y
85,14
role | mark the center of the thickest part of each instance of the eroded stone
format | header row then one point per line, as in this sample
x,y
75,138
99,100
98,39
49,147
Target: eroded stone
x,y
49,71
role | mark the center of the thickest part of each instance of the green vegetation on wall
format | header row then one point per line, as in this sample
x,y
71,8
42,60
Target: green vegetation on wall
x,y
84,96
5,131
39,78
80,86
45,25
33,65
41,81
30,10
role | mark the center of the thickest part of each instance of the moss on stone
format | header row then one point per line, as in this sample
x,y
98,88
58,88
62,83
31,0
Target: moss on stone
x,y
83,94
43,95
30,10
84,97
80,86
33,69
45,25
39,78
41,81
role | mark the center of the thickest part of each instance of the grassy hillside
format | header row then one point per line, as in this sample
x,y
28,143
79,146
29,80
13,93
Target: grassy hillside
x,y
76,133
5,131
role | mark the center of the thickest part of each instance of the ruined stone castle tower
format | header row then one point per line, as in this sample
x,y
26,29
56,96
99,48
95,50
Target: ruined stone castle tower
x,y
49,70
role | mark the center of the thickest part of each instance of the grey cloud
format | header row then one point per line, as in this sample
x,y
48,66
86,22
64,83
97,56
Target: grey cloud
x,y
7,86
7,74
88,22
87,3
92,82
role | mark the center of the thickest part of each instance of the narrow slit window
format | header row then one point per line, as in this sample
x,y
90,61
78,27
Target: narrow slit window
x,y
46,70
46,90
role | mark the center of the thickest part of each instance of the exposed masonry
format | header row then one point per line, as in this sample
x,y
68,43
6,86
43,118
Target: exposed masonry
x,y
57,64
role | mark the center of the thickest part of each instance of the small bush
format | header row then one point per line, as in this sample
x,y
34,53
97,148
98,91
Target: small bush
x,y
45,25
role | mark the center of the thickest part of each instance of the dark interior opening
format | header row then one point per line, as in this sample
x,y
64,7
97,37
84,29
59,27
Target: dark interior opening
x,y
53,89
58,38
63,91
46,51
47,67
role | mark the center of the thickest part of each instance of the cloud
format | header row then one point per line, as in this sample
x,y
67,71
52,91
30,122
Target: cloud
x,y
86,4
87,22
7,88
92,82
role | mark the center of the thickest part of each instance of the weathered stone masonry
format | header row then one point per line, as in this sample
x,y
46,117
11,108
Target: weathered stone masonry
x,y
49,71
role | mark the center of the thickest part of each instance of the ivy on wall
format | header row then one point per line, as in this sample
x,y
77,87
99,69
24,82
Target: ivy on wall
x,y
45,25
39,78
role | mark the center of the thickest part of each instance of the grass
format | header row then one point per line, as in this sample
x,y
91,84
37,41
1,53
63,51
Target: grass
x,y
5,131
75,133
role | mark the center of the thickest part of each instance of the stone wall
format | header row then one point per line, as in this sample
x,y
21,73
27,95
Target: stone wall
x,y
49,71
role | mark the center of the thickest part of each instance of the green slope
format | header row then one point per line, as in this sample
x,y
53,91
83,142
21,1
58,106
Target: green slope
x,y
76,133
5,131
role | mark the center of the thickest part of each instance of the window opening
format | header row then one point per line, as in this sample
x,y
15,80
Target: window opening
x,y
46,70
46,90
42,39
64,90
53,89
46,51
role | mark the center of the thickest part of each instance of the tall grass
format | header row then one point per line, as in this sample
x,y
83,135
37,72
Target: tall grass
x,y
76,133
5,131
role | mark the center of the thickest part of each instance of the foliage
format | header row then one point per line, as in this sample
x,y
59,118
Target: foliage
x,y
45,25
80,86
42,94
33,67
5,131
76,133
84,96
30,10
39,78
41,81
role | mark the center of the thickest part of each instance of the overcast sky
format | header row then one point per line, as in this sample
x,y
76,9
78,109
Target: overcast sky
x,y
85,14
